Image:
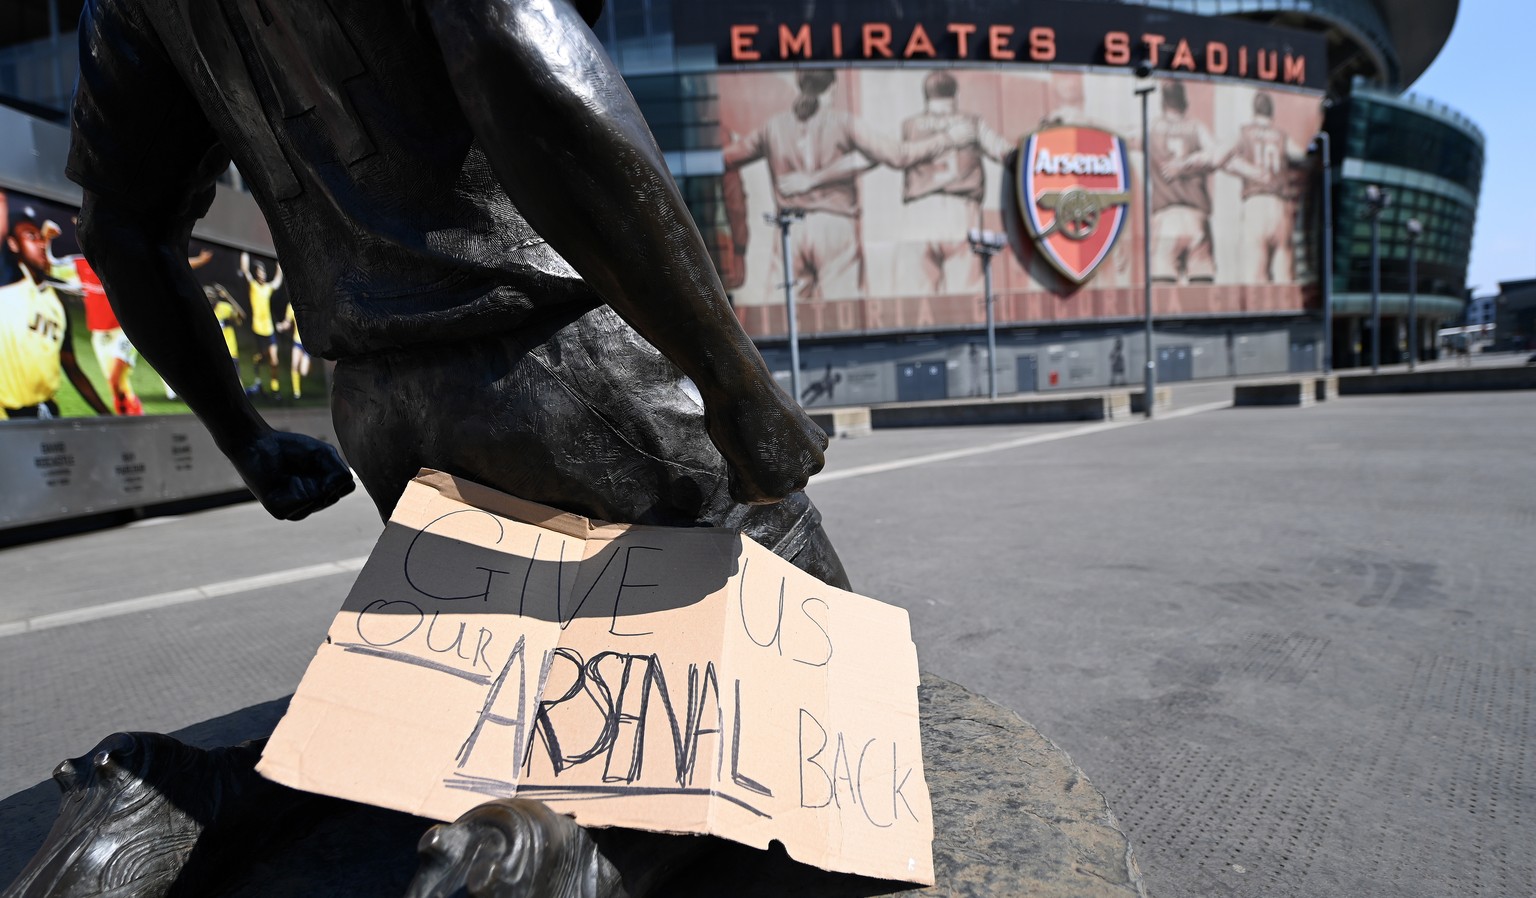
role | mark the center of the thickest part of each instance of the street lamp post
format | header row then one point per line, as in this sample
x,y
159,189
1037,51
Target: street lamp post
x,y
1144,90
1415,228
784,219
1376,201
1323,145
987,244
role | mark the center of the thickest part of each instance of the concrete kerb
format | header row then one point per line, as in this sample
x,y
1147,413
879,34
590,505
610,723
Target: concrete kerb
x,y
1022,409
1297,392
853,421
1441,380
1138,401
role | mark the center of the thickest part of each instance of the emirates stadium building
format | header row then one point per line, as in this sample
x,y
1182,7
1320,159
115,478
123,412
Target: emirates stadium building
x,y
862,140
840,153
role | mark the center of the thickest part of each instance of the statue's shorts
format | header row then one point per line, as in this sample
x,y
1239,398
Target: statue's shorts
x,y
577,412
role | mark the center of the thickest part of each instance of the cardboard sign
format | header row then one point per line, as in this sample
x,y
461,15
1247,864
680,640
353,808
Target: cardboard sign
x,y
668,679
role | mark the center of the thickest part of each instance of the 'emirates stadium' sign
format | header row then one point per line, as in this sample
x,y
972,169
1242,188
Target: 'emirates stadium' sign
x,y
1118,35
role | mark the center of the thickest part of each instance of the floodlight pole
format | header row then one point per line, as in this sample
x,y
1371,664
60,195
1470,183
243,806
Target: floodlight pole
x,y
1145,91
784,219
1376,201
987,244
1415,228
1375,293
1325,150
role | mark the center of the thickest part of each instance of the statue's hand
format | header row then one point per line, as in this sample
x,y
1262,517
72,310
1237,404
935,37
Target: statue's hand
x,y
292,474
770,444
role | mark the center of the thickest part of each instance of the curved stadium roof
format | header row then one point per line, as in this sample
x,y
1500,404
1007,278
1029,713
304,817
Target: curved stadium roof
x,y
1388,41
1419,29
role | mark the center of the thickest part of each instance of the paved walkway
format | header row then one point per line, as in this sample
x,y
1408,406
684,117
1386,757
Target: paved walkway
x,y
1294,646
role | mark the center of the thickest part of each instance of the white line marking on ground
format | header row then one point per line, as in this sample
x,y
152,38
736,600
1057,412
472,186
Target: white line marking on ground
x,y
1193,410
951,455
182,596
156,522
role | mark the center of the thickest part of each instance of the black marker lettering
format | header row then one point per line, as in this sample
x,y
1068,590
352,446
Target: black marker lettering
x,y
811,760
863,804
897,787
700,690
597,692
560,614
826,637
623,583
482,643
654,676
455,646
841,773
519,658
634,744
490,573
374,614
778,624
737,777
533,558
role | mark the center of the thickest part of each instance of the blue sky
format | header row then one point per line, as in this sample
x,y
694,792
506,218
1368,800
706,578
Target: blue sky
x,y
1488,72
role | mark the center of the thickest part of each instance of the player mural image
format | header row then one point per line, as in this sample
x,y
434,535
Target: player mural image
x,y
263,325
37,348
1270,164
946,191
915,158
46,280
1180,160
298,359
815,154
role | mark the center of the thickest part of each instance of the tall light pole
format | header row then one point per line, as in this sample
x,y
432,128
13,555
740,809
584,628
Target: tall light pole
x,y
1376,201
784,219
1144,90
987,244
1415,228
1324,147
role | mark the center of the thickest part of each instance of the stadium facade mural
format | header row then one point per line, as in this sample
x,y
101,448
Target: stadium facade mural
x,y
892,167
62,353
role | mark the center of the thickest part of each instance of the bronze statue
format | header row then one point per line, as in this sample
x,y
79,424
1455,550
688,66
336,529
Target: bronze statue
x,y
478,227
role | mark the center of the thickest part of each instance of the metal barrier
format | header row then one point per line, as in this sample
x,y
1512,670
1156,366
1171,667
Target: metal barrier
x,y
76,467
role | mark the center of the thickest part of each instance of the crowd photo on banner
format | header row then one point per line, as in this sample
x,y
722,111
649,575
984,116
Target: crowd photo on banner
x,y
892,168
63,353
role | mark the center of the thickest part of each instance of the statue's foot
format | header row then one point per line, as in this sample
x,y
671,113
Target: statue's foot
x,y
513,848
143,813
771,445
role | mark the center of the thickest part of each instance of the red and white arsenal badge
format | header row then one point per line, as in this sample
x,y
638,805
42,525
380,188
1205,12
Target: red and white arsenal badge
x,y
1074,192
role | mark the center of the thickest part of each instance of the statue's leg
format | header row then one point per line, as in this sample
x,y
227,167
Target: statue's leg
x,y
514,847
143,816
376,438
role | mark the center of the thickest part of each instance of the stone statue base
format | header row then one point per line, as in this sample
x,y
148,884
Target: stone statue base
x,y
1013,816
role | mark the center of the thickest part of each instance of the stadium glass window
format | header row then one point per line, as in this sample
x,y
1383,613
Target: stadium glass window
x,y
38,54
702,137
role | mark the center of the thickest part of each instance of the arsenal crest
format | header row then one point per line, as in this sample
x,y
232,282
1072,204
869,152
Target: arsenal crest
x,y
1074,193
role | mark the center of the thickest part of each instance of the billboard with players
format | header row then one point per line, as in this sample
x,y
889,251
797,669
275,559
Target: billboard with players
x,y
890,167
63,354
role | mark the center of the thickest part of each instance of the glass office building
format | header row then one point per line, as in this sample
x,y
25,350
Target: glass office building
x,y
1428,159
